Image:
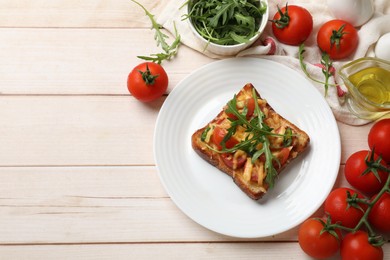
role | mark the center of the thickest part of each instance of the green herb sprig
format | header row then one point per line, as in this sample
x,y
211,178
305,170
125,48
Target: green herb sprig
x,y
326,63
226,22
259,134
169,50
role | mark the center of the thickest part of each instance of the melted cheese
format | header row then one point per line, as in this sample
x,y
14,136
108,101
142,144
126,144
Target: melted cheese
x,y
251,172
248,170
259,167
240,133
237,155
209,134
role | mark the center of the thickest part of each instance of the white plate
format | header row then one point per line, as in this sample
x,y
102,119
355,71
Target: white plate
x,y
209,196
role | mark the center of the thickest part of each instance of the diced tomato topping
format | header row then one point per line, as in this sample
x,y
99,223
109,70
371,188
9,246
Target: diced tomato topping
x,y
254,176
282,156
218,136
250,104
231,116
228,159
220,120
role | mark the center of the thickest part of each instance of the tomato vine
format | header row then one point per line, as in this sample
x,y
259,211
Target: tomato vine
x,y
374,239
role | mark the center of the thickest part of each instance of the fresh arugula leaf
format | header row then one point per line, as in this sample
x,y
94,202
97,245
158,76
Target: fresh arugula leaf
x,y
258,137
269,157
204,134
221,11
325,62
169,51
326,66
287,139
269,168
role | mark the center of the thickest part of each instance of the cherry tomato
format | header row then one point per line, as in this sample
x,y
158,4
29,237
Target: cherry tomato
x,y
379,216
338,39
357,247
282,156
313,243
337,206
239,162
147,81
367,183
292,24
250,106
218,136
379,138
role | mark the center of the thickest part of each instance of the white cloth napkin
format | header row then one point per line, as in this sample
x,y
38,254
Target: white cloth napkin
x,y
369,34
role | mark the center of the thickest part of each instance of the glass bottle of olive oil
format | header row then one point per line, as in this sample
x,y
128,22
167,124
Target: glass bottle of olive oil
x,y
373,83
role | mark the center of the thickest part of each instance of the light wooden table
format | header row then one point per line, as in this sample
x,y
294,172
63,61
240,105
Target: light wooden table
x,y
77,174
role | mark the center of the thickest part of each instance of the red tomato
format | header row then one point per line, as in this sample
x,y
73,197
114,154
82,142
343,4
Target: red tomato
x,y
356,246
315,244
337,206
379,216
379,137
147,81
292,24
239,162
250,106
337,38
218,136
367,183
282,156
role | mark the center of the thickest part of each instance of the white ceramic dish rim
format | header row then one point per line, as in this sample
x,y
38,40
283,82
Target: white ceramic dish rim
x,y
210,197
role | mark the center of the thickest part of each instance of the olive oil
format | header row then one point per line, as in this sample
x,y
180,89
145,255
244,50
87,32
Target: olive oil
x,y
373,83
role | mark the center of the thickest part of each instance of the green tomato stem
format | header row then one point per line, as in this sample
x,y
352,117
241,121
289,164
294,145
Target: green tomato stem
x,y
147,76
284,19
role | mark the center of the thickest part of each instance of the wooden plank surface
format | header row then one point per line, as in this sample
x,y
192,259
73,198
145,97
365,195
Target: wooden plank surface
x,y
81,61
128,203
104,206
77,174
77,14
94,130
74,130
194,251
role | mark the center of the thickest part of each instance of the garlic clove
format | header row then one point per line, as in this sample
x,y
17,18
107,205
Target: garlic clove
x,y
382,47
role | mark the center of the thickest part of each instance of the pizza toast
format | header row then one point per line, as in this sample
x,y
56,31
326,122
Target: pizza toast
x,y
250,141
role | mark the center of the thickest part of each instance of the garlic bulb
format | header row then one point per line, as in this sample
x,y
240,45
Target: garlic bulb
x,y
356,12
382,49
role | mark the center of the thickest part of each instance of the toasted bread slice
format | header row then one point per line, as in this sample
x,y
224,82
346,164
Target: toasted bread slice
x,y
267,153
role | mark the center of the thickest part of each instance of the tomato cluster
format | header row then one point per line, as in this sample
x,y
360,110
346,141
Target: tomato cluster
x,y
293,24
360,213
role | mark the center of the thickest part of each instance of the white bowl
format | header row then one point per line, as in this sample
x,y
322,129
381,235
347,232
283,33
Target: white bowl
x,y
229,50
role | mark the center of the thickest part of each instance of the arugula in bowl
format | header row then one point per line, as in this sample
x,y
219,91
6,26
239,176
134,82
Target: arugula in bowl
x,y
226,22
